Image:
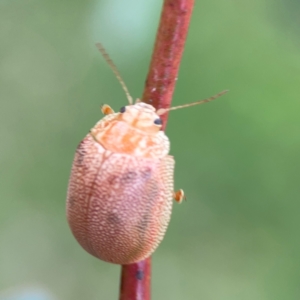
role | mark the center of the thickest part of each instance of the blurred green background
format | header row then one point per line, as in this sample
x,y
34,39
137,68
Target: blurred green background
x,y
237,158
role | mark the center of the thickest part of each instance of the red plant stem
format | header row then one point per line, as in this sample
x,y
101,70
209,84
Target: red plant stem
x,y
168,49
136,281
158,91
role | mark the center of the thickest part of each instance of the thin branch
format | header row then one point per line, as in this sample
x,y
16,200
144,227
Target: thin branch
x,y
136,281
168,49
158,91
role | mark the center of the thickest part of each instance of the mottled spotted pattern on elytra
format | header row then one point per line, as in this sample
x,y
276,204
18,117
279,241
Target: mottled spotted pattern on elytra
x,y
121,187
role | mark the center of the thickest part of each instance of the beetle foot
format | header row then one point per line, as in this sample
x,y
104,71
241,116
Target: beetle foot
x,y
106,109
179,196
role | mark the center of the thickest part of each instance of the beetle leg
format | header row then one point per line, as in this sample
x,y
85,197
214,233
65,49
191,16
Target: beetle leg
x,y
179,196
106,109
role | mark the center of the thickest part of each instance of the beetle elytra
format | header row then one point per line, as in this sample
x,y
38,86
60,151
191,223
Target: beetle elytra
x,y
120,190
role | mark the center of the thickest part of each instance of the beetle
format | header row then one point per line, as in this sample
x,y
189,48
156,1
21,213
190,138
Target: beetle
x,y
120,191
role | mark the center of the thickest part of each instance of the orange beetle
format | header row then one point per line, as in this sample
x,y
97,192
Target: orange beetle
x,y
121,186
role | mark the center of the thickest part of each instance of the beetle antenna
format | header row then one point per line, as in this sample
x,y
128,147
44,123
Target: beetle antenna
x,y
163,110
115,70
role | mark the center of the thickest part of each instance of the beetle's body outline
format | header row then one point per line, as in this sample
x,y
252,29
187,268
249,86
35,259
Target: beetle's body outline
x,y
121,187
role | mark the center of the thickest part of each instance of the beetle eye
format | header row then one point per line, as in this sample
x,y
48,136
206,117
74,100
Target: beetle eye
x,y
122,109
158,121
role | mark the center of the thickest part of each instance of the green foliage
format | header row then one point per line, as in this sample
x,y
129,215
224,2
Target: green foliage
x,y
237,158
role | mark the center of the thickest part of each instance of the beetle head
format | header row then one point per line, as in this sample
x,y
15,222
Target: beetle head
x,y
141,116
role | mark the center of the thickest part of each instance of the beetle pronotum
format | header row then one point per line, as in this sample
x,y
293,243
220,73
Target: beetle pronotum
x,y
120,191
